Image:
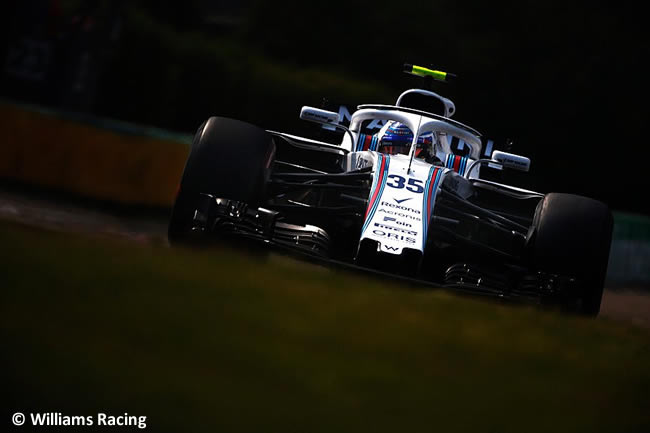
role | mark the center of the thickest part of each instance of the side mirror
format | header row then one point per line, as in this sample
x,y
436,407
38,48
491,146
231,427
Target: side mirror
x,y
510,160
319,116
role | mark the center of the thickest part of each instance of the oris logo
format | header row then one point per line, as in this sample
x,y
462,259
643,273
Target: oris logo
x,y
393,236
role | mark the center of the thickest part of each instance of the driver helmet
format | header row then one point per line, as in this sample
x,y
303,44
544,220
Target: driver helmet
x,y
395,138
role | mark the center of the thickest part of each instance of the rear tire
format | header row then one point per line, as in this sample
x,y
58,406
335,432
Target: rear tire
x,y
228,159
572,237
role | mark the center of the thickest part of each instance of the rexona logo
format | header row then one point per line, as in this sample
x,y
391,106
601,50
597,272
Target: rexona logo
x,y
404,208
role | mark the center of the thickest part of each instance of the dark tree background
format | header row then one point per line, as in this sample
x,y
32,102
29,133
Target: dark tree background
x,y
563,80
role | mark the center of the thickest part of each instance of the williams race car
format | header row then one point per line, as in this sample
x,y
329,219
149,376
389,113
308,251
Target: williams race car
x,y
407,200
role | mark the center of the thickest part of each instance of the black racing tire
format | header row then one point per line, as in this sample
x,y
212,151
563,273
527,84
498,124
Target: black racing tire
x,y
572,237
228,159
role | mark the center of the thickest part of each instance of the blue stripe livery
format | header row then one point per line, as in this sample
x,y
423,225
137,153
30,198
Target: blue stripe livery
x,y
375,203
426,210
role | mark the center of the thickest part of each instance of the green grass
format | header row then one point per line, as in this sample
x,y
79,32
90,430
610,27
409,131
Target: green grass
x,y
219,341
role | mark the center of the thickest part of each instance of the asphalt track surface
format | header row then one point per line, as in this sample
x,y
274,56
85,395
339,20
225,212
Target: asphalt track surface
x,y
148,227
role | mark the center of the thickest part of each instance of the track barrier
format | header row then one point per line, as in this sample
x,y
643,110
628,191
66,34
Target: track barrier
x,y
92,157
629,258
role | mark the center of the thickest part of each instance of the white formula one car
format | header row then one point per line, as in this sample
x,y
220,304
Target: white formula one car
x,y
407,200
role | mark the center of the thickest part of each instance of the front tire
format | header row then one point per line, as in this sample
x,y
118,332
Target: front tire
x,y
572,237
228,159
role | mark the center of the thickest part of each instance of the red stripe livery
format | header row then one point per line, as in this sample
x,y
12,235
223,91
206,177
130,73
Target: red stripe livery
x,y
430,192
377,185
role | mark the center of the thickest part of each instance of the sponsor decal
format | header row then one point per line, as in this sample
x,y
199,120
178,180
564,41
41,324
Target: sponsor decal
x,y
402,200
396,221
393,236
396,229
403,208
346,117
400,214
